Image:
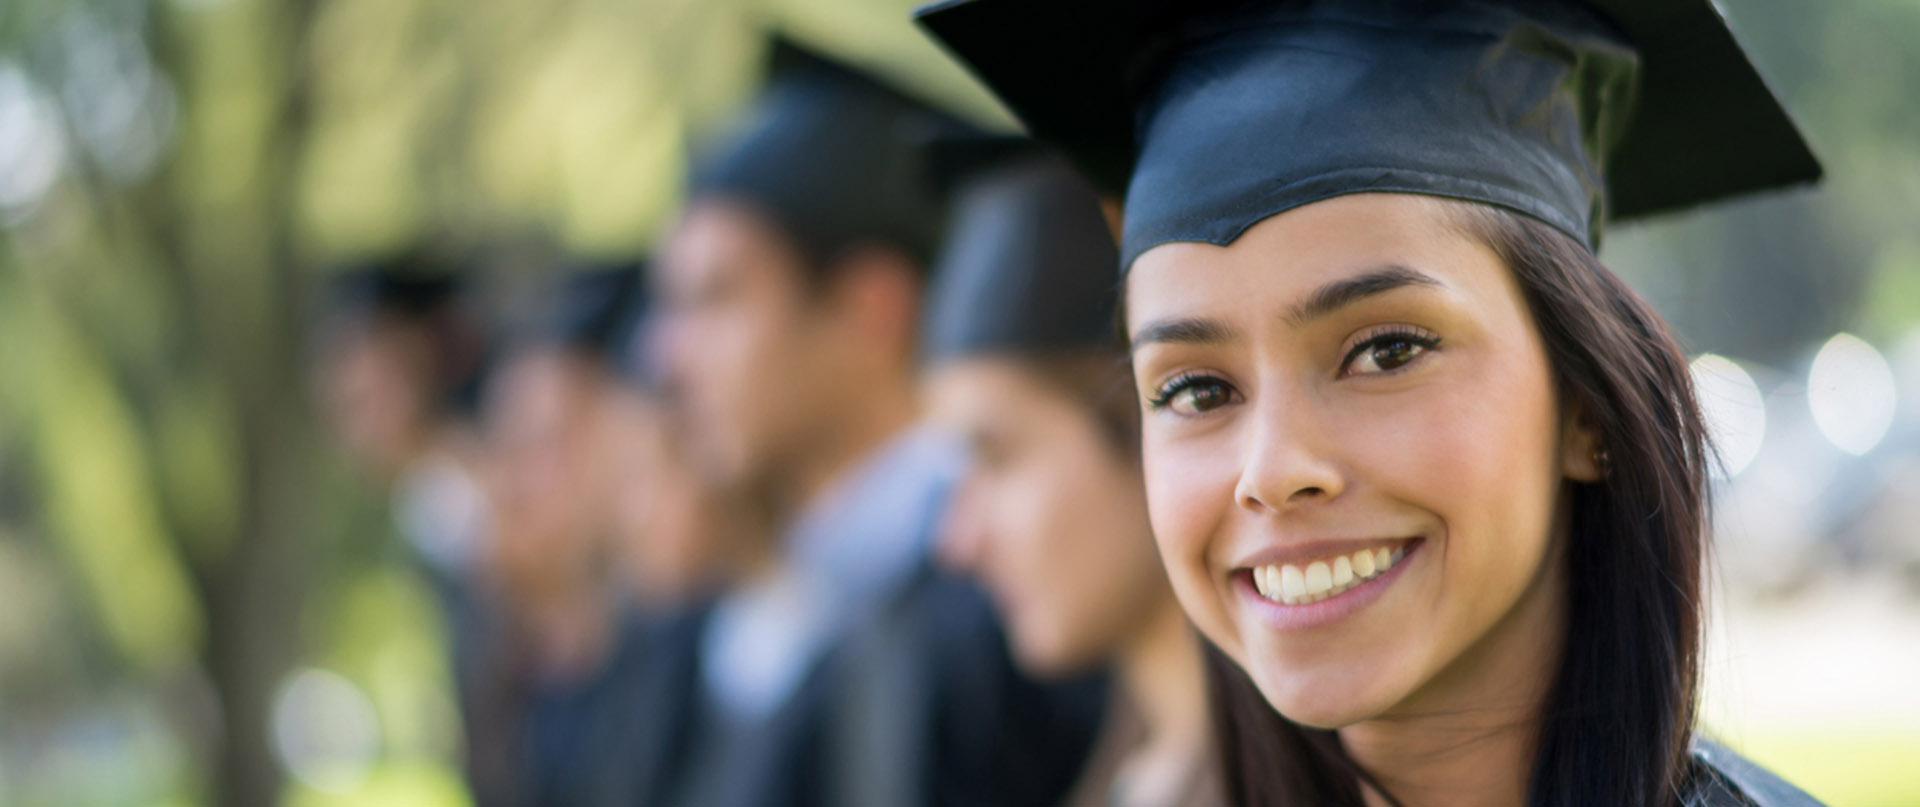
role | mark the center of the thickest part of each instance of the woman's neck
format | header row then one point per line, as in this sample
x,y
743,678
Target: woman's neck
x,y
1161,674
1471,735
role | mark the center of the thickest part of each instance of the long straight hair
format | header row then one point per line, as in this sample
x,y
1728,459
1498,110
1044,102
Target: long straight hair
x,y
1619,716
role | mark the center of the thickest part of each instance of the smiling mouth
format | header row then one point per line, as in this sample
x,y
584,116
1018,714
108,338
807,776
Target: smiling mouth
x,y
1312,581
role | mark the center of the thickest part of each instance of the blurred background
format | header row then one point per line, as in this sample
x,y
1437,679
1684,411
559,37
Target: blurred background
x,y
204,600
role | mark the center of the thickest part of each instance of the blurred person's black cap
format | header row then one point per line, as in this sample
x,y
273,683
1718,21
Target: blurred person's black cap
x,y
1209,116
591,308
832,155
411,284
428,287
1028,263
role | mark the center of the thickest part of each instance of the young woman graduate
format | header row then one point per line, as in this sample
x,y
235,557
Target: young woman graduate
x,y
1022,360
1428,476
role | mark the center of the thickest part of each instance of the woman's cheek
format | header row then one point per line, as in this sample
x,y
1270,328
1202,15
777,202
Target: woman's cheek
x,y
1189,500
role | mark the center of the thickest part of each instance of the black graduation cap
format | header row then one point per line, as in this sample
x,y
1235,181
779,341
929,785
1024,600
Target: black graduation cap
x,y
831,155
591,308
413,284
1028,263
1209,116
426,286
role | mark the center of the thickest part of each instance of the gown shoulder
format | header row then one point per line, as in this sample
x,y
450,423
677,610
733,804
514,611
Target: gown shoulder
x,y
1726,779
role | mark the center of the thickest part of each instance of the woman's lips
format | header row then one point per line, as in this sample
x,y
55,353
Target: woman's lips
x,y
1305,594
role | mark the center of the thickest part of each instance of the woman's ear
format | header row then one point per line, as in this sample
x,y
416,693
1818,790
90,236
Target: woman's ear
x,y
1583,452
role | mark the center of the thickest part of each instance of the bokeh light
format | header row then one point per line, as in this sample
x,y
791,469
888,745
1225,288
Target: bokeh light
x,y
1735,411
325,731
31,148
1851,392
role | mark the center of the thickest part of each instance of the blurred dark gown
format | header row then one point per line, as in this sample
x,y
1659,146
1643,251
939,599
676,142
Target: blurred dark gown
x,y
598,742
904,694
443,516
1725,779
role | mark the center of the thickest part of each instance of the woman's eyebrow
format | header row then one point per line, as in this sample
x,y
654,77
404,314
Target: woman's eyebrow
x,y
1197,331
1324,300
1332,296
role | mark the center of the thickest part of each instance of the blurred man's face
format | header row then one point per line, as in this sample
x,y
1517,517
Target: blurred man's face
x,y
751,353
668,540
548,484
373,390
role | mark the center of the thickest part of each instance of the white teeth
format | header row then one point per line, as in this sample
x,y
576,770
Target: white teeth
x,y
1319,579
1290,585
1293,584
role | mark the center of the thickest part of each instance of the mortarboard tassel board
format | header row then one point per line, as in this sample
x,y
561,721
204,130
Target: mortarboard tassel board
x,y
1028,263
833,156
1209,116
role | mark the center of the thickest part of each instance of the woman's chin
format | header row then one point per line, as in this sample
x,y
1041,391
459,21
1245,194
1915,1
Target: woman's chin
x,y
1329,699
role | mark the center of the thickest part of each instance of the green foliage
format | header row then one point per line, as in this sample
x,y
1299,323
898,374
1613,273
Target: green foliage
x,y
101,503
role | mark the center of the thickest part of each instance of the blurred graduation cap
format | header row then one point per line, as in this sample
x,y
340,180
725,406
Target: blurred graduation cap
x,y
1209,116
832,155
1028,262
591,308
424,287
412,284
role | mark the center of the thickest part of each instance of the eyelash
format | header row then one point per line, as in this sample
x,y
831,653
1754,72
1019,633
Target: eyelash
x,y
1163,397
1425,340
1389,334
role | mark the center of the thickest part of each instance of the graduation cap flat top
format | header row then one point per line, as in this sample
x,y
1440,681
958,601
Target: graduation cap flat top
x,y
1028,263
1209,116
833,155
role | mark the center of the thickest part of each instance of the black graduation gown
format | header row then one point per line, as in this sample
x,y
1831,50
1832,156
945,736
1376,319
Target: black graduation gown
x,y
920,705
600,743
1726,779
934,712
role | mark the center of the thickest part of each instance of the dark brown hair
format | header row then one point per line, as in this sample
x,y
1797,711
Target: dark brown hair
x,y
1619,716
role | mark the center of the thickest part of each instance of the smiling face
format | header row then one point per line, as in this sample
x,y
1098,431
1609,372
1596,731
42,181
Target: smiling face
x,y
1350,384
1050,516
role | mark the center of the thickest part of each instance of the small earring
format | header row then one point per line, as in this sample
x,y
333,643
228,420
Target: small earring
x,y
1602,460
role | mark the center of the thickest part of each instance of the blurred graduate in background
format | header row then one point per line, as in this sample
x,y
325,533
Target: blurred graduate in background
x,y
1024,361
549,564
603,534
843,668
400,347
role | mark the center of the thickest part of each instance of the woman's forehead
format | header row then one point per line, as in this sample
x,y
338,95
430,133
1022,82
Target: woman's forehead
x,y
1292,255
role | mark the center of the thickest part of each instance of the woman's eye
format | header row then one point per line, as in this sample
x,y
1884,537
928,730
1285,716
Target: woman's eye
x,y
1387,352
1192,395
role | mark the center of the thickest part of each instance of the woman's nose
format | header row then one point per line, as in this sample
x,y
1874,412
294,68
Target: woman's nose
x,y
1289,458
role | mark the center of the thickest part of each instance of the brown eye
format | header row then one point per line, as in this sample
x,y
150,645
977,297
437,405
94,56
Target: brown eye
x,y
1394,354
1193,395
1202,397
1387,352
